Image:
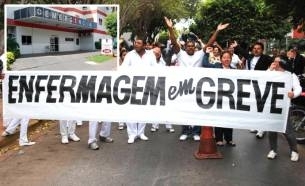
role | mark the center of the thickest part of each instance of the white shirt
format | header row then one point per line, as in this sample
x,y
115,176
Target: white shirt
x,y
296,87
132,58
235,61
186,60
253,62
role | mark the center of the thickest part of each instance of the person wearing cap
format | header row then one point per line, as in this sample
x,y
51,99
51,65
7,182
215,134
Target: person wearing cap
x,y
282,66
138,57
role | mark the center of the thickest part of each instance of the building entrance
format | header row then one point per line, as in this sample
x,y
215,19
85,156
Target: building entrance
x,y
54,44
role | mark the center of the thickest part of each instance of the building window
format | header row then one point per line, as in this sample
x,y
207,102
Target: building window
x,y
100,21
77,41
26,40
69,39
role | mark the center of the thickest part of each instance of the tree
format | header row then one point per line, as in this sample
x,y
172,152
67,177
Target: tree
x,y
293,10
111,24
249,21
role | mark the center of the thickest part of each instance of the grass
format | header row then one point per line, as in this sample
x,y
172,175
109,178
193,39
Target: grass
x,y
99,58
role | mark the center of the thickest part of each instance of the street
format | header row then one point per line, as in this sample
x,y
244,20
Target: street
x,y
163,160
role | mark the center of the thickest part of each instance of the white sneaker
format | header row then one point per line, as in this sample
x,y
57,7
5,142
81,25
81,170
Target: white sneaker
x,y
27,143
260,134
73,137
183,137
121,127
64,140
271,154
130,140
153,129
253,131
4,134
171,130
143,137
294,156
196,138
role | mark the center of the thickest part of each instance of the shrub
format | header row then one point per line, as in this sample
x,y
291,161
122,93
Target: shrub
x,y
10,59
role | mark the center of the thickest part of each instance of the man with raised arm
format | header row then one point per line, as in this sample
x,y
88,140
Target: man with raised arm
x,y
190,58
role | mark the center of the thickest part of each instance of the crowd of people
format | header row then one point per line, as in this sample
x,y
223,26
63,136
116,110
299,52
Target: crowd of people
x,y
190,53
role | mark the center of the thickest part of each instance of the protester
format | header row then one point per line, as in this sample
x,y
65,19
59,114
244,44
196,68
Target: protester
x,y
67,131
161,63
282,66
11,129
104,134
254,61
296,62
221,133
138,57
190,58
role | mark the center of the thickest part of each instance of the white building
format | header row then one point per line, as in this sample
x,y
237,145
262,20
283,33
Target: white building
x,y
57,28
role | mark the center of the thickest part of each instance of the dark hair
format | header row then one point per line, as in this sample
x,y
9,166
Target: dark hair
x,y
260,44
224,52
293,47
283,64
140,37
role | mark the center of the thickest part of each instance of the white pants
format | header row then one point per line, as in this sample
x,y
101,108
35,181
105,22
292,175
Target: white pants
x,y
104,132
13,124
135,129
67,127
156,125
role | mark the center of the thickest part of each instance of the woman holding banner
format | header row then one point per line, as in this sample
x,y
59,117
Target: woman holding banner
x,y
221,133
282,66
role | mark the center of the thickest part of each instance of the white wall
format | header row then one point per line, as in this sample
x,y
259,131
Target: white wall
x,y
41,39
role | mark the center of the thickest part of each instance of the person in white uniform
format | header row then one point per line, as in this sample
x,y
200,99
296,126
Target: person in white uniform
x,y
11,129
161,63
67,131
138,57
104,134
190,58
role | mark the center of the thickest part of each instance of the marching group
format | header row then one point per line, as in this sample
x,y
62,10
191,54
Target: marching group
x,y
191,53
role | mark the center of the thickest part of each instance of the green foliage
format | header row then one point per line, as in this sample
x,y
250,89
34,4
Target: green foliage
x,y
163,37
249,21
13,47
97,44
111,24
10,59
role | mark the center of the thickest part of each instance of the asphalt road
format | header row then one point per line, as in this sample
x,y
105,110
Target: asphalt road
x,y
163,160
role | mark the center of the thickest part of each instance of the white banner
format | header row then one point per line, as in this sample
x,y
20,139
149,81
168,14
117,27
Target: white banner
x,y
187,96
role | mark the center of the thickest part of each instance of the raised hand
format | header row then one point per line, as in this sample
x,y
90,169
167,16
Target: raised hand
x,y
168,22
222,26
